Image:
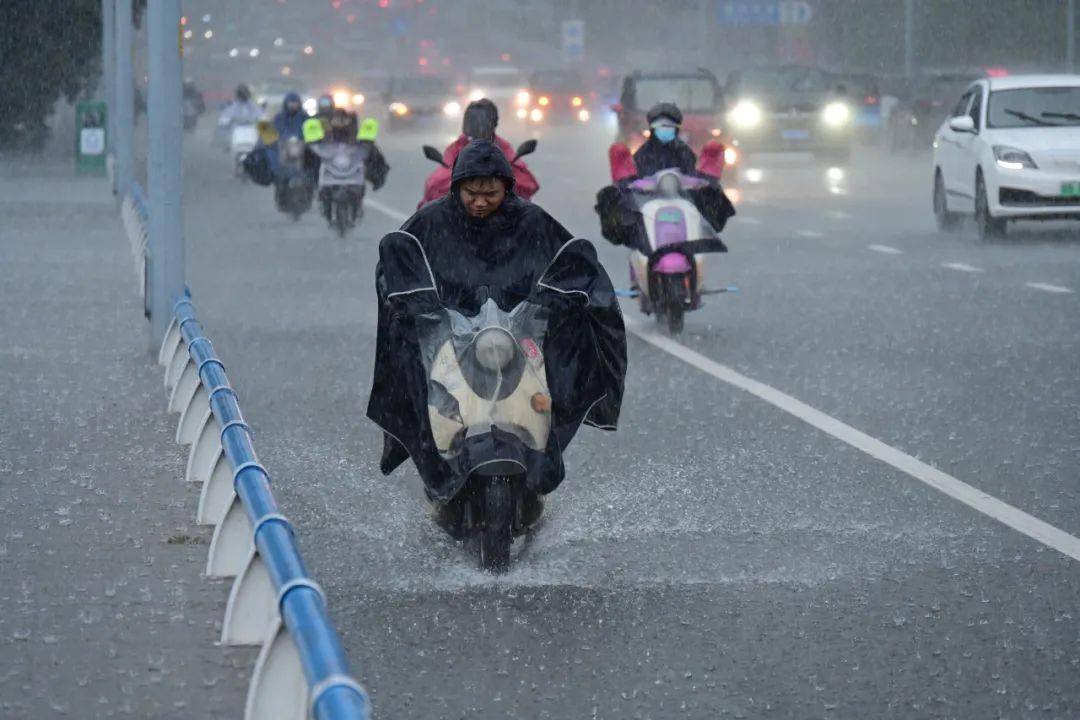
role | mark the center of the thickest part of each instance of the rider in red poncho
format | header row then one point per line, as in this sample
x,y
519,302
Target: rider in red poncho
x,y
478,122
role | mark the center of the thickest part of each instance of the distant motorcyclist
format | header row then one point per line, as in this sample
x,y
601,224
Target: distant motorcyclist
x,y
620,223
664,149
290,121
324,107
242,110
343,129
193,103
482,242
479,121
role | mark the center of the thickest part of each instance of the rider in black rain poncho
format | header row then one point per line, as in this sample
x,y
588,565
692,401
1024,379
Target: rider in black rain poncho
x,y
450,255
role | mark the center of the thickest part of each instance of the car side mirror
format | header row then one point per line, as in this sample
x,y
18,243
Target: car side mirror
x,y
434,155
526,148
962,124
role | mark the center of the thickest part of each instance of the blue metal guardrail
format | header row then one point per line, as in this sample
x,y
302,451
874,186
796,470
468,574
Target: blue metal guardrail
x,y
334,694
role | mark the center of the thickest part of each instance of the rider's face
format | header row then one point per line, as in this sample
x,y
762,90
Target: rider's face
x,y
482,196
292,107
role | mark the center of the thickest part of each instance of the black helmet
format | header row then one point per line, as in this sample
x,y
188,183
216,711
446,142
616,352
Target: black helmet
x,y
665,110
243,92
480,119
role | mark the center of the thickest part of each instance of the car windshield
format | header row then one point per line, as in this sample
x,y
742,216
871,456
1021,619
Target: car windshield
x,y
556,81
779,81
690,94
1034,107
421,85
858,86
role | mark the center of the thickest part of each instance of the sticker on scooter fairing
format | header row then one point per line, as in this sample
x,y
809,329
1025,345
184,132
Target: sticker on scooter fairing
x,y
530,348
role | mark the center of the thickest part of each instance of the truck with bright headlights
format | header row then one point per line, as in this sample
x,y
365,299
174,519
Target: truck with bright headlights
x,y
789,108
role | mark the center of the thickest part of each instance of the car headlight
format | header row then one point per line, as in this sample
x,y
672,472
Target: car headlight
x,y
583,115
1012,158
476,94
836,114
399,109
576,101
452,109
494,349
731,156
522,113
745,114
358,99
536,115
311,105
523,98
341,98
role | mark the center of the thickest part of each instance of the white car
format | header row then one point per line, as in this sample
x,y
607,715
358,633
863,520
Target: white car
x,y
1010,151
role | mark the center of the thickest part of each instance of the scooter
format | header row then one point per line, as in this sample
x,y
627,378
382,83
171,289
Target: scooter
x,y
490,410
292,185
341,182
526,148
668,266
242,140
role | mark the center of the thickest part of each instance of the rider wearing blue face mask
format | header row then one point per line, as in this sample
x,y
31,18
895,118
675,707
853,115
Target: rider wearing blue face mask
x,y
664,149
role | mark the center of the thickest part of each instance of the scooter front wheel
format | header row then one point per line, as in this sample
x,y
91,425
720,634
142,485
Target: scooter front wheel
x,y
496,533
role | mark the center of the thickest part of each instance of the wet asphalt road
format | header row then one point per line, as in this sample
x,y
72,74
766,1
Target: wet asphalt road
x,y
715,557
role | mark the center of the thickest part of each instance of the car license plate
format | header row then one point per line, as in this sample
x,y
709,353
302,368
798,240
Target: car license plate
x,y
1070,189
795,134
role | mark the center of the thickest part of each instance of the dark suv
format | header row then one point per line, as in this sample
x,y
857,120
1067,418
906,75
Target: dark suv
x,y
790,108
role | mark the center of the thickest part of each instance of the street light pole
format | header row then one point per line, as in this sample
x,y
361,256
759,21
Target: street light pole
x,y
164,165
124,94
909,38
1070,36
108,75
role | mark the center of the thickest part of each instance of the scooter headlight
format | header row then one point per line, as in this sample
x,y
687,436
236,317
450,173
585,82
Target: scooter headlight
x,y
494,349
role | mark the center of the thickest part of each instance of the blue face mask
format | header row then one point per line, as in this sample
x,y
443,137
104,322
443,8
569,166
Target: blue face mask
x,y
664,133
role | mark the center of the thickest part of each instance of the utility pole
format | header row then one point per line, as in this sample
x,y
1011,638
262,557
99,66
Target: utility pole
x,y
164,165
108,76
1070,36
124,94
909,38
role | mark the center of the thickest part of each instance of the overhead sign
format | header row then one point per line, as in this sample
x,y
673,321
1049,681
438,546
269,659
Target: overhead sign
x,y
744,13
573,40
795,12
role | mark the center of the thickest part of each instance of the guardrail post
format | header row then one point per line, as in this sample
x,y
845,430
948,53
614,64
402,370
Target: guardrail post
x,y
277,690
231,543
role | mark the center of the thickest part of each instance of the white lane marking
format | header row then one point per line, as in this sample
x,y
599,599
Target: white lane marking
x,y
961,267
386,210
974,498
1046,287
746,220
885,249
810,234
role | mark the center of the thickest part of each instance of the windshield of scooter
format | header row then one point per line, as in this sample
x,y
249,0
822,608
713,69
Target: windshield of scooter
x,y
668,210
485,373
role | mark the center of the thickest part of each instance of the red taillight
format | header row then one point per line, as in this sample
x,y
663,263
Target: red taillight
x,y
871,100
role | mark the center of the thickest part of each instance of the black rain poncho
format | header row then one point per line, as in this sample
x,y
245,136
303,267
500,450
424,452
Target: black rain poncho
x,y
442,257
